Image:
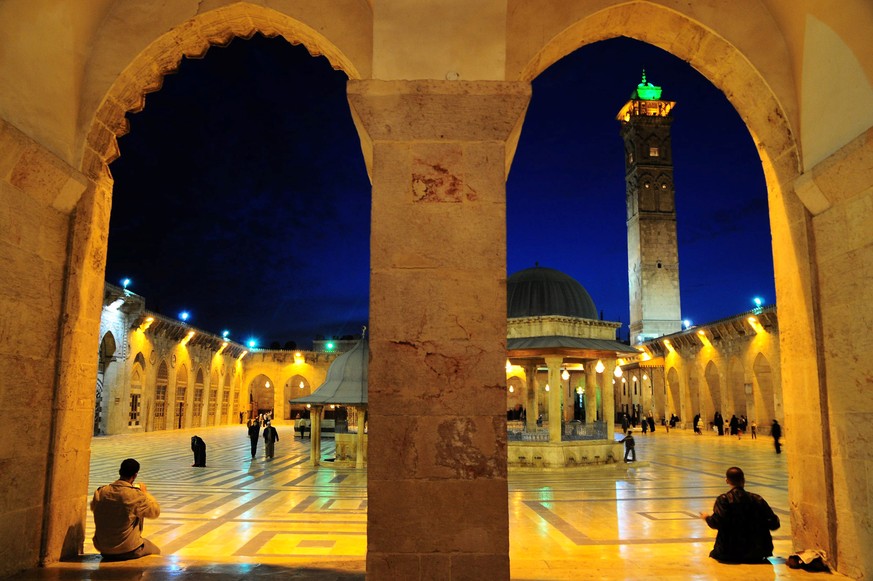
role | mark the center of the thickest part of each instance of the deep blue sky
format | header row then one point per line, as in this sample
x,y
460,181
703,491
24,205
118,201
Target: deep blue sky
x,y
241,194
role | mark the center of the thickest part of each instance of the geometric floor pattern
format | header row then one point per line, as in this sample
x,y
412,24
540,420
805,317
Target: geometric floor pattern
x,y
240,517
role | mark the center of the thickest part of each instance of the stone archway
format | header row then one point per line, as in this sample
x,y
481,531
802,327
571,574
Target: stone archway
x,y
91,194
101,399
763,392
262,395
296,386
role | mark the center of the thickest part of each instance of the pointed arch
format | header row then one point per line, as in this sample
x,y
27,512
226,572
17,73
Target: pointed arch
x,y
180,399
192,38
197,405
296,386
763,390
162,383
712,379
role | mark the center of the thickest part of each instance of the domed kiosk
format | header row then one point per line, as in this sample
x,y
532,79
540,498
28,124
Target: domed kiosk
x,y
561,373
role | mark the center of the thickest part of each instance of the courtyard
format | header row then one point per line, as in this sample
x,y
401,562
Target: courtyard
x,y
241,517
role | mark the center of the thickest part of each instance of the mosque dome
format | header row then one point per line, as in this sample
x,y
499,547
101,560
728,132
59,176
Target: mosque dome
x,y
538,292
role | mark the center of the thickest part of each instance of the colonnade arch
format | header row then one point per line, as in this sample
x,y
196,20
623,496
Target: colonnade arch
x,y
105,359
735,389
763,390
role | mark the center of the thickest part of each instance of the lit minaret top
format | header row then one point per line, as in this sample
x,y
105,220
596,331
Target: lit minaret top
x,y
645,100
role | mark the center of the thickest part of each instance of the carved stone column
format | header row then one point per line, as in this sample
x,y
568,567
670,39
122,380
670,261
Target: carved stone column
x,y
532,402
591,412
556,390
608,396
438,154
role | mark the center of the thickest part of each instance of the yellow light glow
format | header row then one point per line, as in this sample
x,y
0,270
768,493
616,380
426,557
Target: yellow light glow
x,y
241,355
645,376
146,324
188,337
565,375
267,385
756,325
511,389
299,359
599,367
618,372
547,387
222,348
302,386
669,346
308,406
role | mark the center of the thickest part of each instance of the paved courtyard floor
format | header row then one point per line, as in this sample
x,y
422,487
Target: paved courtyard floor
x,y
243,518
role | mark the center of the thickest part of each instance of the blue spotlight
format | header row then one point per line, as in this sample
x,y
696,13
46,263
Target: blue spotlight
x,y
125,282
224,334
252,343
184,316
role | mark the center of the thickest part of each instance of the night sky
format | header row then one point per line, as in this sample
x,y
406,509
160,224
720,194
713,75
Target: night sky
x,y
241,194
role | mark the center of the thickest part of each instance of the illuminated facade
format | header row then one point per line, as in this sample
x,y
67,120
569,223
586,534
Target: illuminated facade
x,y
653,255
731,366
157,373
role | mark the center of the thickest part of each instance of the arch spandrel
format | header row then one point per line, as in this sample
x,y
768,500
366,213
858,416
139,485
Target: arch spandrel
x,y
135,50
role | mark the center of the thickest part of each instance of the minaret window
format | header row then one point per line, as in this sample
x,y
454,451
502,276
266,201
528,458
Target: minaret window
x,y
654,152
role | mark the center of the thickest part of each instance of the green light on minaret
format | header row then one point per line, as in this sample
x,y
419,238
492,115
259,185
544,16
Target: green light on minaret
x,y
646,91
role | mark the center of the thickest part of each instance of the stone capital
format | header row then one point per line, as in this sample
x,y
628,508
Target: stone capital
x,y
441,111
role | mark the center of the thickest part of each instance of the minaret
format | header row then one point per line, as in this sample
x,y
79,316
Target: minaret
x,y
653,257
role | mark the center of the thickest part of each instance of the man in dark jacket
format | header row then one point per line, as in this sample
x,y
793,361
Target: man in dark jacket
x,y
254,433
743,521
776,432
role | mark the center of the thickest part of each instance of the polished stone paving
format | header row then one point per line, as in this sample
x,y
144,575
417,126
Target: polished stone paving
x,y
242,518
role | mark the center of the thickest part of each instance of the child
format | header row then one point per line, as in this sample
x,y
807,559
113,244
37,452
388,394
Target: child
x,y
629,446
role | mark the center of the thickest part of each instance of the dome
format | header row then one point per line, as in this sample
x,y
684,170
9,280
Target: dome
x,y
538,292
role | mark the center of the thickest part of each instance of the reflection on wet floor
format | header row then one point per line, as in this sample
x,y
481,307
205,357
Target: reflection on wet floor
x,y
240,517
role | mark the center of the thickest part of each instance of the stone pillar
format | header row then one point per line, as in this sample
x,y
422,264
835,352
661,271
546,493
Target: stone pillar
x,y
609,397
590,392
533,399
315,436
556,391
438,154
359,440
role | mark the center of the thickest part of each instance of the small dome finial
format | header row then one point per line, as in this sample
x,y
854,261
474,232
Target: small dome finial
x,y
643,82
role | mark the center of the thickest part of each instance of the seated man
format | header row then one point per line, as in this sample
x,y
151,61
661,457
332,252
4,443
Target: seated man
x,y
119,509
743,521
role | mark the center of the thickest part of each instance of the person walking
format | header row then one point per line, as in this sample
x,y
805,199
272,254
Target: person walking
x,y
753,427
271,436
625,423
254,432
629,449
743,521
776,432
645,426
119,511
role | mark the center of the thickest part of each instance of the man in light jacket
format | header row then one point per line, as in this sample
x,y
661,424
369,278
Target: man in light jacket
x,y
119,510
